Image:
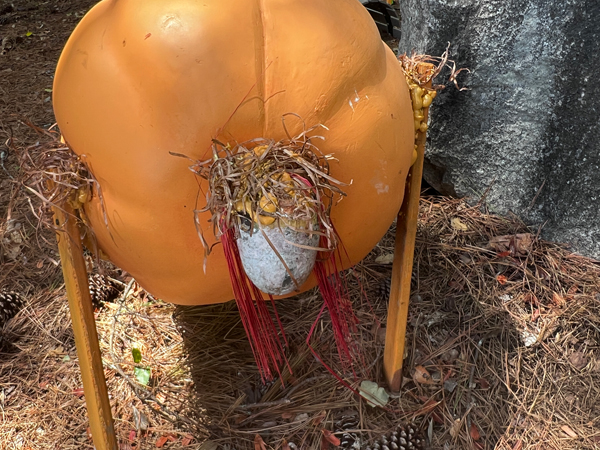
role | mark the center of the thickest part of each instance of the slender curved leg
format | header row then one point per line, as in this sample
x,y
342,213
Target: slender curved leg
x,y
84,328
406,230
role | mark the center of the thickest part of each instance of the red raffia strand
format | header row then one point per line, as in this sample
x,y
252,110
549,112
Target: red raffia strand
x,y
334,291
261,330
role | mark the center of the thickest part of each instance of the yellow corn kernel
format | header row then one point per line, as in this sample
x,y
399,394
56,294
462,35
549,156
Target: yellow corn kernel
x,y
419,114
427,99
259,150
266,220
417,125
423,127
268,204
414,157
243,208
286,179
83,195
417,102
283,177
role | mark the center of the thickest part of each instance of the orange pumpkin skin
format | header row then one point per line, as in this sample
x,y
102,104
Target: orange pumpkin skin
x,y
141,78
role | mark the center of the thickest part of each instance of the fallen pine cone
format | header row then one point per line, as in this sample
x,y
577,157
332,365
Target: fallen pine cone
x,y
102,289
348,420
405,437
10,304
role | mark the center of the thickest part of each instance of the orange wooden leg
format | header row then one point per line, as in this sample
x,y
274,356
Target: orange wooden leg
x,y
406,230
84,328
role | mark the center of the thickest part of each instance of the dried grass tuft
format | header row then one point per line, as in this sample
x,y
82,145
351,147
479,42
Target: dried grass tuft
x,y
413,67
54,174
265,182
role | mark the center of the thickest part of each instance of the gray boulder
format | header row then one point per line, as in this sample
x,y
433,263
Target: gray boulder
x,y
527,129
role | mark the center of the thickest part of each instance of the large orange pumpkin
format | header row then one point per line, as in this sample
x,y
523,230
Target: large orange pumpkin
x,y
141,78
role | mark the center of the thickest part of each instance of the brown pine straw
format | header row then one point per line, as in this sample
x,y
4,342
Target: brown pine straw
x,y
470,306
411,67
53,173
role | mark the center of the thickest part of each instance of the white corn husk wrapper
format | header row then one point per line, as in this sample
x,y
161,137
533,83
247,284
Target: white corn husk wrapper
x,y
264,267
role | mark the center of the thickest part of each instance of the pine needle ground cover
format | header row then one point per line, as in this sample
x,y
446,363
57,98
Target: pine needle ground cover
x,y
502,352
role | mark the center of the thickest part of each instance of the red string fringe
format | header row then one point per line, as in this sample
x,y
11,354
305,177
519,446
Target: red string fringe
x,y
259,325
262,332
334,290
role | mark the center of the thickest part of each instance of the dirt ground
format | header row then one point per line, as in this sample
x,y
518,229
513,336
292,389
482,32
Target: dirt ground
x,y
503,345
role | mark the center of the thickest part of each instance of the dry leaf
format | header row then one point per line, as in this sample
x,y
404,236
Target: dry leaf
x,y
259,444
531,298
380,335
455,428
447,375
514,244
78,392
187,440
474,432
375,395
579,360
558,299
385,259
484,383
319,418
161,441
140,420
132,434
465,258
458,225
569,431
238,418
573,290
287,415
422,376
330,437
57,351
501,279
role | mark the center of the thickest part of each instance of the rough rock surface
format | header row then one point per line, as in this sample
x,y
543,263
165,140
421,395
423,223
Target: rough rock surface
x,y
528,126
